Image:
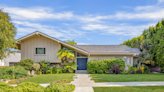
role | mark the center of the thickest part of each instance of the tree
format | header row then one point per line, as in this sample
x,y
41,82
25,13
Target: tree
x,y
152,42
7,34
142,57
65,55
71,42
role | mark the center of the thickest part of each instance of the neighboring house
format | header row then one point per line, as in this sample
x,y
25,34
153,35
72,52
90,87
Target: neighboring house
x,y
39,46
11,60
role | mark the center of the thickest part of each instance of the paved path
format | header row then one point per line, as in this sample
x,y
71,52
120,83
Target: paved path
x,y
83,83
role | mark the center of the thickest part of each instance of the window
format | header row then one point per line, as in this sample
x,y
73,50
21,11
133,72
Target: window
x,y
80,55
117,57
40,50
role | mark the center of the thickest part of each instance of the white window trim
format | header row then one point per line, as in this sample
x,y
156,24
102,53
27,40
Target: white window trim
x,y
40,54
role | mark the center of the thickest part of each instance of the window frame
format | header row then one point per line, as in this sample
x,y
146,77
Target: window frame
x,y
42,48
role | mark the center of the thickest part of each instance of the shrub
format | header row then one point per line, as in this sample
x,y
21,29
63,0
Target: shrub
x,y
70,66
59,87
34,87
97,66
44,66
6,88
146,69
36,66
115,69
54,70
134,69
27,64
30,87
12,72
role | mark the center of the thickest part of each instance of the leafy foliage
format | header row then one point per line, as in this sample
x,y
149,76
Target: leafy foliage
x,y
27,64
60,87
70,66
71,42
12,72
65,55
54,70
34,87
97,66
151,41
44,66
134,42
30,87
36,66
7,34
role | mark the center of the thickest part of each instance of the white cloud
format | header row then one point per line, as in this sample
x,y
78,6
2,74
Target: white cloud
x,y
142,12
95,27
36,13
25,28
125,30
160,0
26,20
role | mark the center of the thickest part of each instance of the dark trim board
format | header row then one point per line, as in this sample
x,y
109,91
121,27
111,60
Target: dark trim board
x,y
82,63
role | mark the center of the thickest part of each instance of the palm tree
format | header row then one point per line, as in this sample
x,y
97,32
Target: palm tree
x,y
65,55
143,56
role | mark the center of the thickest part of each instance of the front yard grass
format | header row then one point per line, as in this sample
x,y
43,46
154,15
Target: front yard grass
x,y
126,77
130,89
47,78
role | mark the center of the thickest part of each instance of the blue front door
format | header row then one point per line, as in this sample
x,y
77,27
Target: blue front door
x,y
82,63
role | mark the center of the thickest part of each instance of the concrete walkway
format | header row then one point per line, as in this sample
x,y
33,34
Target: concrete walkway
x,y
83,83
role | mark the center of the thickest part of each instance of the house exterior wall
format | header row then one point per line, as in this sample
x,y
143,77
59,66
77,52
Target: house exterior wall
x,y
28,49
99,57
135,60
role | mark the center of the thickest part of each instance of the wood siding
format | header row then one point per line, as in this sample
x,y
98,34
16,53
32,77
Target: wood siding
x,y
28,49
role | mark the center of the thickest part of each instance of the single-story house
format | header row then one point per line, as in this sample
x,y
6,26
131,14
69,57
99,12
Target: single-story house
x,y
39,46
11,60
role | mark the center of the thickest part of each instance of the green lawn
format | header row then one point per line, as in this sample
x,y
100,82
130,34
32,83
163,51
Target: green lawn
x,y
126,77
130,89
46,78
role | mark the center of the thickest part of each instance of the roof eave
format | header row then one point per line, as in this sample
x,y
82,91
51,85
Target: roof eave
x,y
112,53
61,42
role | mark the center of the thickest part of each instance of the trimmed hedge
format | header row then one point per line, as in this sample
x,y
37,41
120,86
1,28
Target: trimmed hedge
x,y
12,72
60,87
34,87
102,66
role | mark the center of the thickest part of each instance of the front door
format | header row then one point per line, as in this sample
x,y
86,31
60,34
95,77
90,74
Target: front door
x,y
82,63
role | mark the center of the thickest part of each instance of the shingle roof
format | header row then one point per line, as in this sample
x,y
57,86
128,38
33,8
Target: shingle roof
x,y
108,48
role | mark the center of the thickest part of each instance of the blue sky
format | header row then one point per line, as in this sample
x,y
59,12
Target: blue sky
x,y
97,22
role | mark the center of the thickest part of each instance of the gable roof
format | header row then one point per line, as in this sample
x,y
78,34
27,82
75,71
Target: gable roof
x,y
52,38
108,49
91,49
